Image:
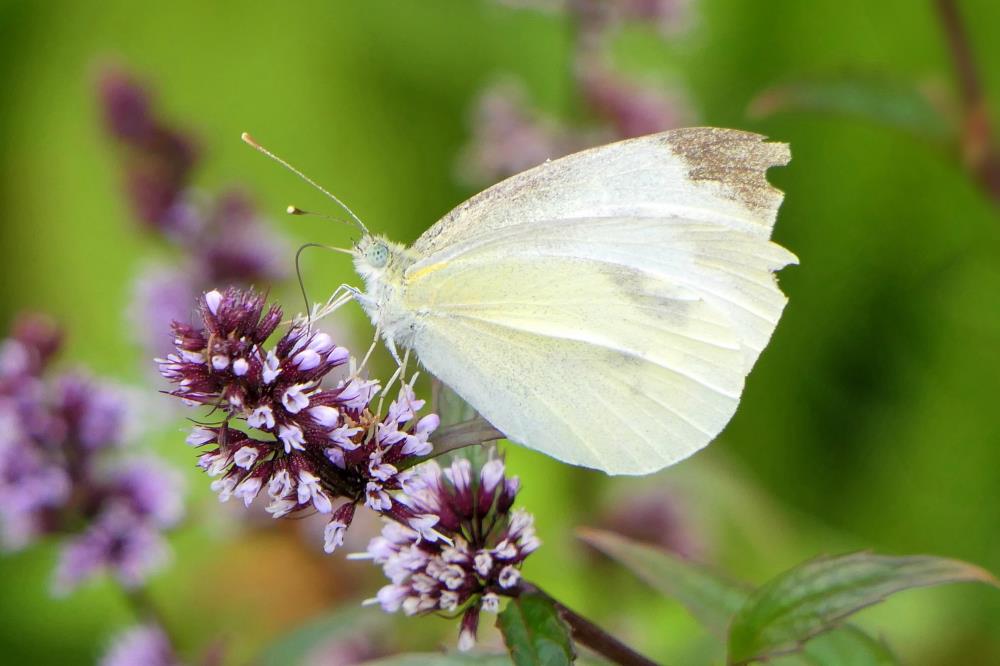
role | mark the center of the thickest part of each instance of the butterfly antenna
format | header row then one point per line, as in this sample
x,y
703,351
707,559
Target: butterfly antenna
x,y
295,210
250,141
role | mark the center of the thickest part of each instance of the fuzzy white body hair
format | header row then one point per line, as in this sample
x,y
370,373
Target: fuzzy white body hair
x,y
382,301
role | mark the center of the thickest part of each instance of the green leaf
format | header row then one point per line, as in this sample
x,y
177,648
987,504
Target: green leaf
x,y
848,645
710,598
845,645
295,646
817,596
438,659
897,104
534,633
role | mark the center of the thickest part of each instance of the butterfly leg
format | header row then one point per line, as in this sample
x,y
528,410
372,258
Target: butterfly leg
x,y
400,371
368,354
391,346
341,295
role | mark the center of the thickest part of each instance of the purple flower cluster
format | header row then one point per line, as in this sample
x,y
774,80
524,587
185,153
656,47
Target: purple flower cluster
x,y
302,443
221,239
508,136
285,430
144,644
472,556
59,472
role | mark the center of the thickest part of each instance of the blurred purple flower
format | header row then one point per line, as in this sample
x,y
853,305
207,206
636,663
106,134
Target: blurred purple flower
x,y
467,551
144,645
39,335
147,489
55,475
656,517
232,246
155,183
509,137
236,247
324,444
159,159
160,295
24,356
668,16
15,364
356,648
222,239
125,106
31,488
87,414
118,543
630,108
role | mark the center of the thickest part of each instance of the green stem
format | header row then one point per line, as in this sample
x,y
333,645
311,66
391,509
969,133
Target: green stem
x,y
589,634
146,610
458,436
979,150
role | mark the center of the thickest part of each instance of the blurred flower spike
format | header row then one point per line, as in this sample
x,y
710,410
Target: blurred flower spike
x,y
472,556
144,644
60,473
509,135
301,442
222,239
668,16
159,158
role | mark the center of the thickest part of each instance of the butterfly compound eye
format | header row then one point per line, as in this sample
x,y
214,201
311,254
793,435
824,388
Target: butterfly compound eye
x,y
377,255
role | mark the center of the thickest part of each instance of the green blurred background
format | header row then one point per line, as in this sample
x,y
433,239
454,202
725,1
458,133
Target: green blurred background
x,y
870,421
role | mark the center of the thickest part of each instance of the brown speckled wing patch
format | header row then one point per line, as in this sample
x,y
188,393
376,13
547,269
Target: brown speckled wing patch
x,y
737,161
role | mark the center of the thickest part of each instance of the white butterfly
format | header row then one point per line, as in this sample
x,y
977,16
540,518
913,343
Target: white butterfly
x,y
603,308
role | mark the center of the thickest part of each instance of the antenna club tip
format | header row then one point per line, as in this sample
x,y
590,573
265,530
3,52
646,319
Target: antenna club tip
x,y
294,210
249,140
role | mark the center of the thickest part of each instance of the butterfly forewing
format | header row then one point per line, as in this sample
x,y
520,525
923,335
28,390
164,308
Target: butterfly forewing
x,y
606,307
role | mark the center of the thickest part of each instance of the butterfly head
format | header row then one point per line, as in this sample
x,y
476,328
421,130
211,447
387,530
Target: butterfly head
x,y
374,256
375,252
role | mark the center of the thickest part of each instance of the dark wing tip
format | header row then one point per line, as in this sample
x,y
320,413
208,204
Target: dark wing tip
x,y
736,160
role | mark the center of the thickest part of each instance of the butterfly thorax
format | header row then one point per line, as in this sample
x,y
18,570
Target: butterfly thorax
x,y
382,264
